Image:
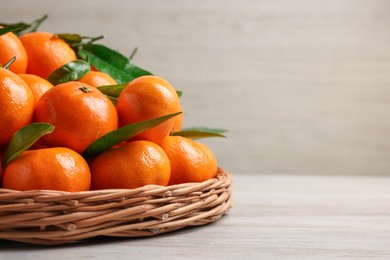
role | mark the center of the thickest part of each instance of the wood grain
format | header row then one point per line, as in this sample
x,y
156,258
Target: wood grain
x,y
274,217
302,86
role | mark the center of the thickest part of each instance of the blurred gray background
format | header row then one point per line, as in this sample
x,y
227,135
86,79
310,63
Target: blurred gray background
x,y
302,86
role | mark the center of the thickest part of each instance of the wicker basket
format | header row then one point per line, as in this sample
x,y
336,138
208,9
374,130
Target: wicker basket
x,y
54,217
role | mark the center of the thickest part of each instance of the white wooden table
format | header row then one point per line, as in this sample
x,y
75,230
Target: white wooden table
x,y
274,217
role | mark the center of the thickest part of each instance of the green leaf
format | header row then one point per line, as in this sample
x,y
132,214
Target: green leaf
x,y
24,138
14,28
179,93
73,70
108,55
206,129
122,134
111,62
70,38
201,132
112,91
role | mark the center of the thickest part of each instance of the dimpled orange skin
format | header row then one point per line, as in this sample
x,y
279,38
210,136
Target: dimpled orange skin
x,y
37,85
11,46
190,161
17,105
80,114
97,79
48,169
46,52
145,98
129,166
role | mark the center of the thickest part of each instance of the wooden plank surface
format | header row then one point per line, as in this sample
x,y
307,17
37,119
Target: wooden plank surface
x,y
302,86
274,217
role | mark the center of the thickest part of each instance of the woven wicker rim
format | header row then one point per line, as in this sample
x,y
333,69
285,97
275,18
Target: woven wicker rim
x,y
46,217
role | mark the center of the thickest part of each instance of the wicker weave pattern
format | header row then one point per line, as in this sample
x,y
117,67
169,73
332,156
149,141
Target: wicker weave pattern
x,y
54,217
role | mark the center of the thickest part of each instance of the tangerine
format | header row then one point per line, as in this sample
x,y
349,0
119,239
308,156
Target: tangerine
x,y
97,79
11,46
190,161
80,114
17,105
145,98
37,85
55,168
46,52
131,165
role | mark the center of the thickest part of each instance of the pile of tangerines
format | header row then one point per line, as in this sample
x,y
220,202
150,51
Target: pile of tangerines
x,y
82,116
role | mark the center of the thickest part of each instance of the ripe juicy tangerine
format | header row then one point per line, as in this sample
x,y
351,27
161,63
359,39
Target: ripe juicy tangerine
x,y
190,161
11,46
37,85
48,169
80,114
148,97
46,52
97,78
17,104
129,166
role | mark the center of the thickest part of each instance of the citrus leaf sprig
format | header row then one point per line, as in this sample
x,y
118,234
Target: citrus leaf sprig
x,y
13,28
22,27
111,62
103,58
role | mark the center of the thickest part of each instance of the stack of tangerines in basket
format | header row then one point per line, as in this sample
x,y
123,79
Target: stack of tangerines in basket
x,y
92,145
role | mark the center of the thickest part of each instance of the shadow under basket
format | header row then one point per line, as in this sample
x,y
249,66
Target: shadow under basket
x,y
47,217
